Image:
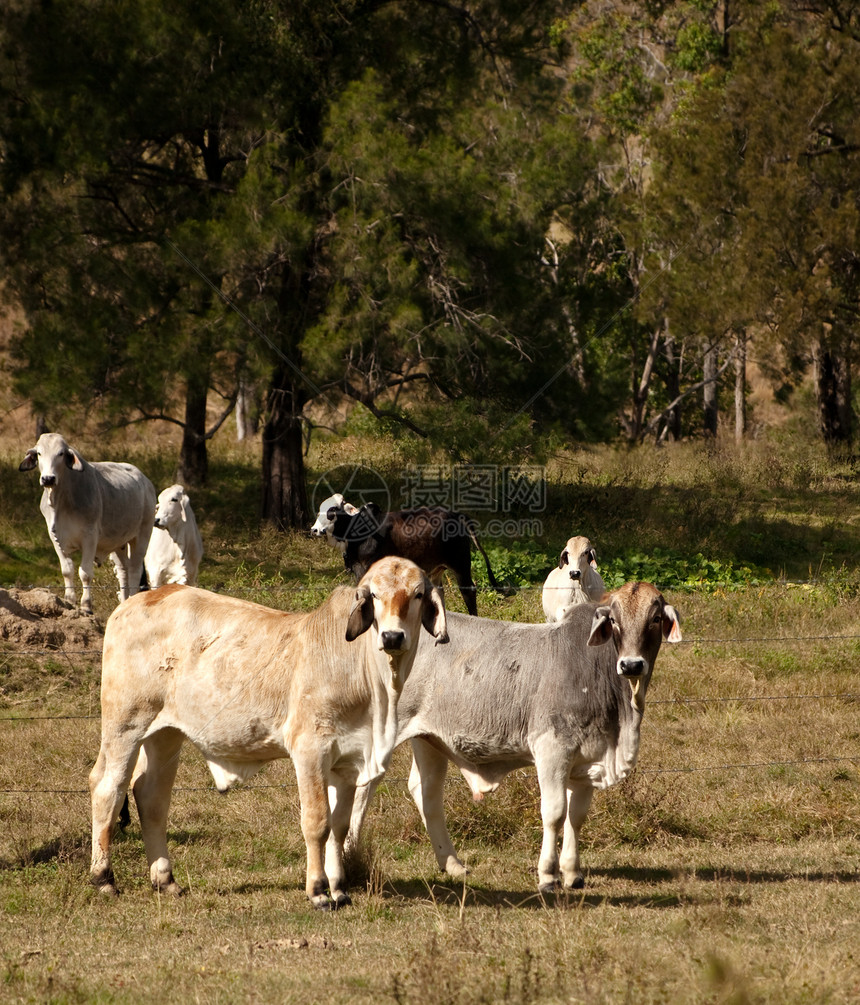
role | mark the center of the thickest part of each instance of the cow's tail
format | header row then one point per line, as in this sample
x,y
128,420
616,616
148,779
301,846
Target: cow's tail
x,y
508,590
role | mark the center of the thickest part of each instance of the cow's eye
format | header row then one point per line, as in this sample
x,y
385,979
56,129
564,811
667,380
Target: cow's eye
x,y
419,594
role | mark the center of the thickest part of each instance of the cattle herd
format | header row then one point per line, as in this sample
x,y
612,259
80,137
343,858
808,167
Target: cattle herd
x,y
338,688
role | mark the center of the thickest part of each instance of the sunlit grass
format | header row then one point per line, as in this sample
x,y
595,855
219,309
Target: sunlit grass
x,y
724,870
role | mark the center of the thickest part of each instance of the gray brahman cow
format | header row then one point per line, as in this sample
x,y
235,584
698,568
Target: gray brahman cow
x,y
176,547
567,697
575,580
248,685
99,509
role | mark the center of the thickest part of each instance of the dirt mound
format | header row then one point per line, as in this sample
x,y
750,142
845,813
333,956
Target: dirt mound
x,y
38,619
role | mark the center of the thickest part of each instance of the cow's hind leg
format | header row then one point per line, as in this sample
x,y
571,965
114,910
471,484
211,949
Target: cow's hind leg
x,y
427,784
578,803
136,555
361,800
108,786
462,571
155,774
121,567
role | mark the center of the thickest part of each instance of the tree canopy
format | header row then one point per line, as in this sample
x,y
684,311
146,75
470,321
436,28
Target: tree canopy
x,y
480,220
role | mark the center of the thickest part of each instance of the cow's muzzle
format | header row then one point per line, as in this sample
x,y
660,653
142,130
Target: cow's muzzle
x,y
631,666
392,641
575,575
48,481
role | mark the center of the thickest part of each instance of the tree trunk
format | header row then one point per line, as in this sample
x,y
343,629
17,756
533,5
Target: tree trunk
x,y
636,420
740,386
246,419
833,392
193,459
673,385
709,392
285,503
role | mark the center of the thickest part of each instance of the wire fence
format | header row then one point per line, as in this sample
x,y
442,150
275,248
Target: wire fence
x,y
93,658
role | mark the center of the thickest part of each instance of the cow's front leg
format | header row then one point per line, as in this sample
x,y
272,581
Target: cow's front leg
x,y
578,803
85,572
552,773
427,784
315,826
341,796
67,568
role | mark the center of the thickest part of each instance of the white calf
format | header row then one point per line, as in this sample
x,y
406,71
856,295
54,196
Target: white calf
x,y
574,581
175,548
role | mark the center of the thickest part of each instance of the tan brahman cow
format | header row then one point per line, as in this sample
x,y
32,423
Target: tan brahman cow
x,y
246,685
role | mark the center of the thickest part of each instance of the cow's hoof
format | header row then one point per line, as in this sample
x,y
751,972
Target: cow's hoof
x,y
340,900
321,902
108,890
577,883
549,889
172,889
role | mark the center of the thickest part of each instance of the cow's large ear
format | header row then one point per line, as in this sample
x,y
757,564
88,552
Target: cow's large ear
x,y
563,559
360,614
671,624
183,507
73,461
601,627
372,509
433,615
29,461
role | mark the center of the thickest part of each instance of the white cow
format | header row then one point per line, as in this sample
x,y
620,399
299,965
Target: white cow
x,y
100,508
175,548
575,580
247,685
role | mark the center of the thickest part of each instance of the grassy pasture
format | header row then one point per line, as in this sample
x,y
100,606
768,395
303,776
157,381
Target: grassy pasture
x,y
725,870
